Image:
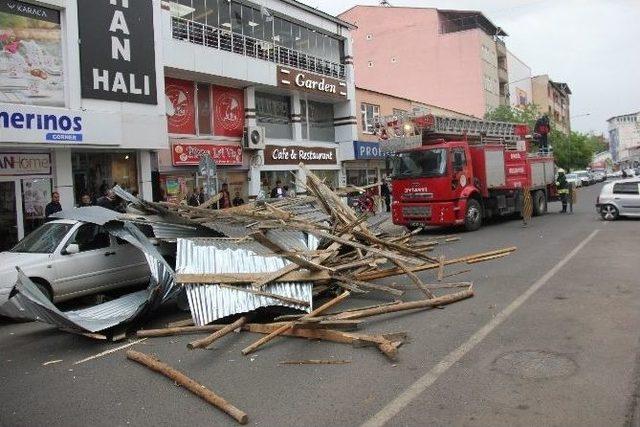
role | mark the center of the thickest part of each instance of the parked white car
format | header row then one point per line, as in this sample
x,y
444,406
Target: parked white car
x,y
572,178
619,198
68,259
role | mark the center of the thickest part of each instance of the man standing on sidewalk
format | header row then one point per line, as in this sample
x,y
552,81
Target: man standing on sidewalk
x,y
385,192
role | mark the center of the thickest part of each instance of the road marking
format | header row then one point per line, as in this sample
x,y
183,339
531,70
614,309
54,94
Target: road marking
x,y
113,350
418,387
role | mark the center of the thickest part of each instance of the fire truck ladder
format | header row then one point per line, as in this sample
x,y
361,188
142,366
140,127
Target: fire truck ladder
x,y
408,124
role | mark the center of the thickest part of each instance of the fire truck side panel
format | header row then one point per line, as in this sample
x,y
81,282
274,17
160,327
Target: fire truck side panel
x,y
495,170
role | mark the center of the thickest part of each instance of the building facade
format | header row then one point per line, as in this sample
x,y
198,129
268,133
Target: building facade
x,y
624,139
454,59
364,163
552,98
76,117
520,89
261,87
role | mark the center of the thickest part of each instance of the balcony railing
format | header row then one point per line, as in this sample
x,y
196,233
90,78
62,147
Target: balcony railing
x,y
217,38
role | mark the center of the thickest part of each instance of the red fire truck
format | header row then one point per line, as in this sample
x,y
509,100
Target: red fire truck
x,y
450,171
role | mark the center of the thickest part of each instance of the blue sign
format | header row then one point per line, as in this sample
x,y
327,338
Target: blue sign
x,y
64,137
367,150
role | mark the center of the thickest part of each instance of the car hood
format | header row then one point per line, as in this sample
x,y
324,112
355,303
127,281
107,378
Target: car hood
x,y
8,273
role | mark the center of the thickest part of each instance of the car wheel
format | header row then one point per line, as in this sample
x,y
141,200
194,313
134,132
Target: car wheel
x,y
44,288
609,212
539,203
473,215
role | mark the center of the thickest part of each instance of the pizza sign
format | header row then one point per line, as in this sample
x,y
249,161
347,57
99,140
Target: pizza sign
x,y
228,111
189,153
180,106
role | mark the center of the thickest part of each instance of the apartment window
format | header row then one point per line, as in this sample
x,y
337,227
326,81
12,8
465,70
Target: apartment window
x,y
317,121
368,113
274,113
399,112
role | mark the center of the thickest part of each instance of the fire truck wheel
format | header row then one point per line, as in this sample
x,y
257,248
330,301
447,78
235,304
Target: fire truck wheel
x,y
473,216
539,203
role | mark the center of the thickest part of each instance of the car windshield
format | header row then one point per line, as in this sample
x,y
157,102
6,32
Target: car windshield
x,y
43,240
571,176
423,163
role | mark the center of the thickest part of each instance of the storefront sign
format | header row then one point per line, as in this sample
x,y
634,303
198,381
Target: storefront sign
x,y
228,106
189,153
117,55
180,106
292,155
25,164
38,125
312,83
31,54
367,150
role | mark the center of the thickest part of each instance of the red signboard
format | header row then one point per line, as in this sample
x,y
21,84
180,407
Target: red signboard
x,y
181,117
228,107
189,153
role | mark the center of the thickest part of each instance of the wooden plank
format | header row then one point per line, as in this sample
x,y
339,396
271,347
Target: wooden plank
x,y
208,340
367,285
190,384
251,348
275,276
314,362
264,241
240,278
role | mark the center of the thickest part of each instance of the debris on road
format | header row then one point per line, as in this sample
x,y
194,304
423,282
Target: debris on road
x,y
314,362
191,385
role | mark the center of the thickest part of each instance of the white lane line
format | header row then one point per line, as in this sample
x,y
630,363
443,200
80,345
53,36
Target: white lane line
x,y
415,389
113,350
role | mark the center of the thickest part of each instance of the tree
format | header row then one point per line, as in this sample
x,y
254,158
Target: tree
x,y
505,113
574,151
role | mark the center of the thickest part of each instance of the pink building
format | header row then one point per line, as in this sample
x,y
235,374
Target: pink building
x,y
452,59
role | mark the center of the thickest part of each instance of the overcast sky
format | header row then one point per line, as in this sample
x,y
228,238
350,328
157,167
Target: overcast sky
x,y
593,45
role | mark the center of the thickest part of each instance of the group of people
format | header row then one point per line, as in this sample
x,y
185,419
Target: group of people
x,y
106,199
198,198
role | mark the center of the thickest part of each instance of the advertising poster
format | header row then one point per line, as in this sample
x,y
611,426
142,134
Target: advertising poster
x,y
173,189
228,106
180,106
30,55
36,193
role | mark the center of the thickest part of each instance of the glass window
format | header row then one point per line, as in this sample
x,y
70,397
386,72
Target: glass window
x,y
43,240
277,29
90,237
304,120
320,118
36,193
236,18
297,37
285,34
248,23
368,112
199,11
424,163
626,188
224,14
212,12
181,8
274,113
267,35
204,109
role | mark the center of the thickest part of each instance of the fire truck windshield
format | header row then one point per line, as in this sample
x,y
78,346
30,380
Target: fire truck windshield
x,y
423,163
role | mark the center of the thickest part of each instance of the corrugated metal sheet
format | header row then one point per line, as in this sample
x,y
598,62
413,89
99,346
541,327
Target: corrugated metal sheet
x,y
211,302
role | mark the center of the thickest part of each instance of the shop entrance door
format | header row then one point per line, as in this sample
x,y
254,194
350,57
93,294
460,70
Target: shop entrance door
x,y
10,221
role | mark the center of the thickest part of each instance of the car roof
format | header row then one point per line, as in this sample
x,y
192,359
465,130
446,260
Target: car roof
x,y
64,221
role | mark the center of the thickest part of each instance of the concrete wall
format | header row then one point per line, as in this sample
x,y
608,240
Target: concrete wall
x,y
519,81
627,137
399,51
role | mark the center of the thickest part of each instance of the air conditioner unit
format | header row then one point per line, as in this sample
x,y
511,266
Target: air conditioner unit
x,y
253,138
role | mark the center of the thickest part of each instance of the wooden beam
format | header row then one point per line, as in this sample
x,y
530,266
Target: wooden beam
x,y
208,340
241,278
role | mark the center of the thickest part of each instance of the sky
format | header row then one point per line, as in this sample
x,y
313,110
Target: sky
x,y
593,45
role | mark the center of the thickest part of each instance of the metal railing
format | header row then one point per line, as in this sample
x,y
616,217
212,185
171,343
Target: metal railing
x,y
218,38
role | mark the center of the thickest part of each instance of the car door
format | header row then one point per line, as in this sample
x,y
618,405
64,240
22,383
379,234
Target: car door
x,y
91,268
627,196
131,264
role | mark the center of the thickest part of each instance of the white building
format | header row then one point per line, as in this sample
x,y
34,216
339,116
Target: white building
x,y
276,66
624,139
520,90
76,115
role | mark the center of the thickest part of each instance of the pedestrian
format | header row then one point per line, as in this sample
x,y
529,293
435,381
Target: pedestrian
x,y
53,206
563,189
201,196
277,192
108,201
385,191
85,200
193,199
237,200
225,197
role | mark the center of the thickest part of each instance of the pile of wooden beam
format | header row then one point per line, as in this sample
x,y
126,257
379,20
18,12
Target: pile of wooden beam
x,y
351,256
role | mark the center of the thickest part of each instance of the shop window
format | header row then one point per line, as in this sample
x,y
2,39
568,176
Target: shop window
x,y
95,172
204,108
361,177
368,112
274,113
36,193
320,118
303,119
268,180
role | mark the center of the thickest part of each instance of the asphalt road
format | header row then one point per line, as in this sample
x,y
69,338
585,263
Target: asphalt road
x,y
550,338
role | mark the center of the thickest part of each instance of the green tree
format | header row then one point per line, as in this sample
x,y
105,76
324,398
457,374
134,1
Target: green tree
x,y
574,151
505,113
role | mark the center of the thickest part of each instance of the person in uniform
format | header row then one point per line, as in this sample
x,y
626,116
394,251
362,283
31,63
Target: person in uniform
x,y
563,189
